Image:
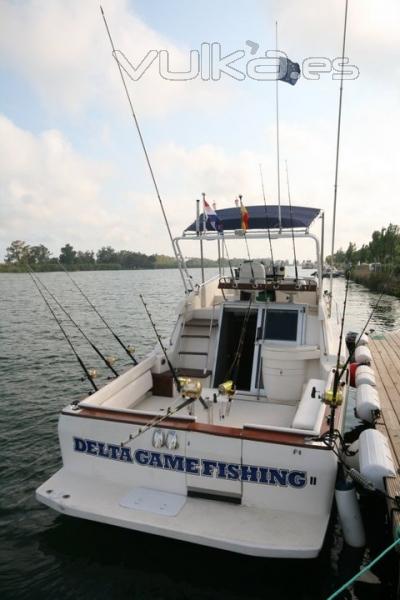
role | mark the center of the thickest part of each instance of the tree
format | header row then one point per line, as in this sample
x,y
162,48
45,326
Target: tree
x,y
85,258
38,254
106,254
350,254
17,252
67,255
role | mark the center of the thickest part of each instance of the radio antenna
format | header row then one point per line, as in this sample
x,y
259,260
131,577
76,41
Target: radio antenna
x,y
135,119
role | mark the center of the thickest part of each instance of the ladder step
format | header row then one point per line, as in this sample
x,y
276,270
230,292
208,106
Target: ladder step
x,y
201,323
202,337
194,353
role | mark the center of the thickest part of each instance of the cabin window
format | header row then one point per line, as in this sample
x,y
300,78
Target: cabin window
x,y
281,325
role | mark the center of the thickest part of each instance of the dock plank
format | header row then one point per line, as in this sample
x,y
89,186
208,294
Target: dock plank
x,y
386,364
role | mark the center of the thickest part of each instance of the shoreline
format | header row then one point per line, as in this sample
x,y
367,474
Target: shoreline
x,y
376,281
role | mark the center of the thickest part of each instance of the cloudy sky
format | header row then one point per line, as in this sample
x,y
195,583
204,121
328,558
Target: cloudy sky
x,y
72,170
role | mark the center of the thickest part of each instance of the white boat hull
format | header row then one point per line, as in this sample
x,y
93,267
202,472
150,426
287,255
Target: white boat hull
x,y
237,528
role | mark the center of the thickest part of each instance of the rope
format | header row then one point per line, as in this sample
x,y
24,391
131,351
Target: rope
x,y
366,568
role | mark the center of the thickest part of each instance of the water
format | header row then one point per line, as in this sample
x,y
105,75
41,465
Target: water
x,y
45,555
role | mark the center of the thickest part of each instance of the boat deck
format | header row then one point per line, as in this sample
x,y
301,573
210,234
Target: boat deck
x,y
239,412
385,351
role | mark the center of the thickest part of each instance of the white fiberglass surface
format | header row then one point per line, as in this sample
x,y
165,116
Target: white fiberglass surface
x,y
220,413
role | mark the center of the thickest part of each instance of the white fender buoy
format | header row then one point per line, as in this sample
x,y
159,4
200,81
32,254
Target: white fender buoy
x,y
349,513
362,340
362,355
367,403
365,374
376,460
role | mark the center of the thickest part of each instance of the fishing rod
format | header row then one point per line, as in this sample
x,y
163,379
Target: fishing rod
x,y
238,354
291,223
88,372
337,155
245,239
337,377
171,410
266,218
229,260
171,368
127,349
351,354
108,360
139,132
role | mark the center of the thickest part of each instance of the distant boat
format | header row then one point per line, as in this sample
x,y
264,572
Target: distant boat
x,y
309,264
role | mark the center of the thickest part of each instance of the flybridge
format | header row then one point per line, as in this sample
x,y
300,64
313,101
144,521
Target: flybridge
x,y
260,217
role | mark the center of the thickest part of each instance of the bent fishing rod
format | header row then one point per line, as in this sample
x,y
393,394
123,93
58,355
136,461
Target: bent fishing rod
x,y
120,342
145,151
107,361
57,320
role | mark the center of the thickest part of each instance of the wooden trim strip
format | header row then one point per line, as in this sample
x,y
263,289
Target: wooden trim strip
x,y
256,435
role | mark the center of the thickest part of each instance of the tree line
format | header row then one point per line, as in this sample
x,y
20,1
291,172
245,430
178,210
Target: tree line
x,y
383,248
19,253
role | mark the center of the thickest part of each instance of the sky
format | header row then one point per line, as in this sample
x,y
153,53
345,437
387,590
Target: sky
x,y
71,166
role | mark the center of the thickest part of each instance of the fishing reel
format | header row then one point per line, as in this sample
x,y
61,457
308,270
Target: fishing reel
x,y
190,388
227,388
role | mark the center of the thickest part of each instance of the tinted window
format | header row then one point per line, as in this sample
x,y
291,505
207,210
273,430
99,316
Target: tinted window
x,y
281,325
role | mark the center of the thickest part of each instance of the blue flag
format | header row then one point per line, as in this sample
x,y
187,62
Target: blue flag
x,y
288,70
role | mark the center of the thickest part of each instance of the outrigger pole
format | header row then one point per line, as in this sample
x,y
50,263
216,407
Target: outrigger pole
x,y
266,218
127,349
178,258
277,131
337,157
87,371
291,223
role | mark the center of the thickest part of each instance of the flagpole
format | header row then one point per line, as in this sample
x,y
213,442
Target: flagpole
x,y
337,158
201,241
277,131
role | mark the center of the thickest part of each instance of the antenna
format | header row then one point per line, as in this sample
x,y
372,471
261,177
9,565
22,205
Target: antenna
x,y
178,259
277,133
291,223
337,156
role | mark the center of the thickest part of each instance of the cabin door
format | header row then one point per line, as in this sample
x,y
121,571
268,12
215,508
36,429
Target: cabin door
x,y
236,323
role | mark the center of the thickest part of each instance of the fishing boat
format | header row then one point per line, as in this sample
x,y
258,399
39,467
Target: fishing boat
x,y
226,448
228,434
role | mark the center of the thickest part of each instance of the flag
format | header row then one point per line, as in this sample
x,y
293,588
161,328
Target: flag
x,y
245,216
212,218
288,70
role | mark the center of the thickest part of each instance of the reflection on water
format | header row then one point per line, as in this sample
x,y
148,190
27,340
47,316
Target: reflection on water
x,y
44,555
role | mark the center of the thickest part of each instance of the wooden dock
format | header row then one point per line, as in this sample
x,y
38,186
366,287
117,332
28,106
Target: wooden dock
x,y
385,351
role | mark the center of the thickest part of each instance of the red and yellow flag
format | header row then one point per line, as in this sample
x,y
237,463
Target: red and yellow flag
x,y
245,216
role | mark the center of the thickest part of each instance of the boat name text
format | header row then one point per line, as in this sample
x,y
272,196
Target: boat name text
x,y
203,467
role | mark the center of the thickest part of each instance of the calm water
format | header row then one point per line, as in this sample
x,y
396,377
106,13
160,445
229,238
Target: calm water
x,y
44,555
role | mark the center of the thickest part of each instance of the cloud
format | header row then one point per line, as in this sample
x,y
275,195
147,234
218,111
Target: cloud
x,y
61,47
